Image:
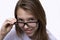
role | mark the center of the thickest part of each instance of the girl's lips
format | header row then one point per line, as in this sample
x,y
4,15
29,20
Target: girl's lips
x,y
28,31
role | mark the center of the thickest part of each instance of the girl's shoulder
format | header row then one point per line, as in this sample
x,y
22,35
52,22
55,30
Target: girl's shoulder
x,y
11,35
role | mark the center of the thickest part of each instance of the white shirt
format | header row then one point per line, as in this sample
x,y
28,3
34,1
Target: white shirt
x,y
13,36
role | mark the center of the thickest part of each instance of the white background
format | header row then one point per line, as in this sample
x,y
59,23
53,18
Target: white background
x,y
51,7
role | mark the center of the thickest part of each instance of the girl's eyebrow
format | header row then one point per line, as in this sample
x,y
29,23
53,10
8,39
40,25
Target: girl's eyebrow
x,y
32,18
19,19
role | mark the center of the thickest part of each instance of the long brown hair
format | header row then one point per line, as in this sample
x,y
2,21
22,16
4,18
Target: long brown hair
x,y
37,10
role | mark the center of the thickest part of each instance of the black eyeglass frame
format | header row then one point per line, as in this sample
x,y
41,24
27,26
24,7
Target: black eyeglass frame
x,y
26,23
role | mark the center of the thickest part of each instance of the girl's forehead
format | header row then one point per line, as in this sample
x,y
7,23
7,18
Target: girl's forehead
x,y
21,10
24,13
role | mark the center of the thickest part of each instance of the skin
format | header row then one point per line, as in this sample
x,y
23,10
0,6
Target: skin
x,y
21,14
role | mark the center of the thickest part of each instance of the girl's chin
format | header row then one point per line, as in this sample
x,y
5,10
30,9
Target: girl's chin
x,y
29,34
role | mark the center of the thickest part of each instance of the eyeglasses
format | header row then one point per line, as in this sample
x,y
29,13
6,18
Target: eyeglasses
x,y
29,24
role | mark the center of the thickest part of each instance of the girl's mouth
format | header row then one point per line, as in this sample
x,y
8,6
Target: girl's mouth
x,y
28,31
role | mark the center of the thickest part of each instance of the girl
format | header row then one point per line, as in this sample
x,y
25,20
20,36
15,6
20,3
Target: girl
x,y
29,21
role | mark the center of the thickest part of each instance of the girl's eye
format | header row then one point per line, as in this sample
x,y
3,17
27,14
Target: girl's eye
x,y
20,20
32,19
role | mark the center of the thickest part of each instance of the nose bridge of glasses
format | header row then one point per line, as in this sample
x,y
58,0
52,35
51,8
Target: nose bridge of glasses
x,y
25,25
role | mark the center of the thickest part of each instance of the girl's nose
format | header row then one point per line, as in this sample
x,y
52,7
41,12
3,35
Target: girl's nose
x,y
25,27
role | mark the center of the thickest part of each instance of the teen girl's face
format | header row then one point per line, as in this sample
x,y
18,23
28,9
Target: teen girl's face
x,y
26,21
